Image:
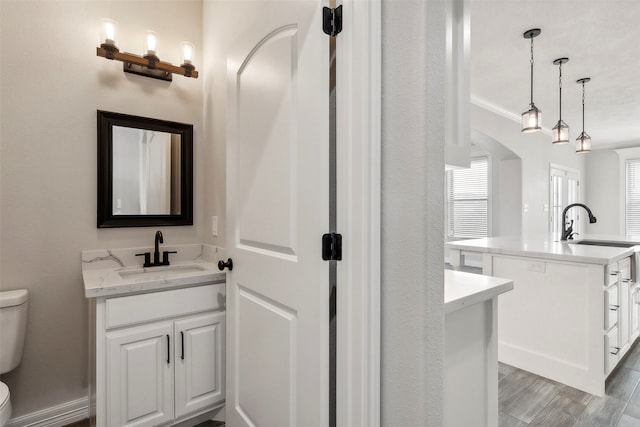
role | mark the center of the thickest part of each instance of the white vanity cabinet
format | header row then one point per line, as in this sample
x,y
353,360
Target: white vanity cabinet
x,y
160,356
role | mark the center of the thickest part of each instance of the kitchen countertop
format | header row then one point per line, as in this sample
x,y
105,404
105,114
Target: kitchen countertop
x,y
550,248
464,289
116,272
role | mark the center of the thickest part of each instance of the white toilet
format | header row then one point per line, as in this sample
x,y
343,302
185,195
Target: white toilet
x,y
13,325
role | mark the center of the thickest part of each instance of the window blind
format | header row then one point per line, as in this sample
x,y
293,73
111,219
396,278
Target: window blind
x,y
633,197
468,200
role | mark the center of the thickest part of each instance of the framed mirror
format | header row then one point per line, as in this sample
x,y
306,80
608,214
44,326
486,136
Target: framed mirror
x,y
145,171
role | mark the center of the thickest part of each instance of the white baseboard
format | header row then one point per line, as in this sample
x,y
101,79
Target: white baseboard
x,y
56,416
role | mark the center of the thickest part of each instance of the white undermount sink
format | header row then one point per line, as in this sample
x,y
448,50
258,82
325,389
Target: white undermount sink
x,y
161,272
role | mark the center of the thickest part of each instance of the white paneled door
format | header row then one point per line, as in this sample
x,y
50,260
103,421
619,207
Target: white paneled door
x,y
277,211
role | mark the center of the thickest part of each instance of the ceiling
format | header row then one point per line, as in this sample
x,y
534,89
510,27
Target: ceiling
x,y
601,38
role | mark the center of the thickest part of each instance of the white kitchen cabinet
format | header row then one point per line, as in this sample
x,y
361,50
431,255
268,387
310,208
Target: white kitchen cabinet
x,y
620,312
457,126
160,356
563,319
625,316
612,350
635,311
611,306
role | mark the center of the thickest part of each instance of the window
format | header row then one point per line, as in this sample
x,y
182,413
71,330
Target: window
x,y
563,192
632,197
467,203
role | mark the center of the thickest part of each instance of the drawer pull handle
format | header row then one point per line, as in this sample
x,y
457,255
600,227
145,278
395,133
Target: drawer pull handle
x,y
617,351
182,339
614,273
168,350
614,307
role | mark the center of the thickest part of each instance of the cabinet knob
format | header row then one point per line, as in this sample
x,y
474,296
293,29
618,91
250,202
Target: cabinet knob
x,y
222,265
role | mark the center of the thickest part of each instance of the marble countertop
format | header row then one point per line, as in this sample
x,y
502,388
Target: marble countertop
x,y
551,249
116,272
464,289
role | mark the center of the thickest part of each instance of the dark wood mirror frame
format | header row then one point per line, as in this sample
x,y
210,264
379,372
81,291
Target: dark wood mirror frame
x,y
106,218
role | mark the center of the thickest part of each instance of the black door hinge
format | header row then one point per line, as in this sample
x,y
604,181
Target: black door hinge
x,y
332,20
332,247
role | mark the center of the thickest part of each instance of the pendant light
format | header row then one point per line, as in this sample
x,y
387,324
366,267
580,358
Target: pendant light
x,y
532,118
561,129
583,142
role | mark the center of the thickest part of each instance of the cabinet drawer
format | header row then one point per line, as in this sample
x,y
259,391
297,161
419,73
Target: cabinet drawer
x,y
134,309
612,273
611,307
635,312
611,349
624,266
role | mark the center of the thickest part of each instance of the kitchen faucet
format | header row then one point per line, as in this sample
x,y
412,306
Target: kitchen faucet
x,y
156,253
567,232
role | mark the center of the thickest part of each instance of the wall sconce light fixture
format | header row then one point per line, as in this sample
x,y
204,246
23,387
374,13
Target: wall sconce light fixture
x,y
583,142
148,65
532,118
561,129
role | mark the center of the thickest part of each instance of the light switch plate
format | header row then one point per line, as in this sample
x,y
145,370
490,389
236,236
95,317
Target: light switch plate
x,y
214,226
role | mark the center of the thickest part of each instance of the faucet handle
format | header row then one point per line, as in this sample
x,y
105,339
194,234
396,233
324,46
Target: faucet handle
x,y
165,256
147,259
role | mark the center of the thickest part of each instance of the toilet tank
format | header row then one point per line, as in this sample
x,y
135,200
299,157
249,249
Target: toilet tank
x,y
13,326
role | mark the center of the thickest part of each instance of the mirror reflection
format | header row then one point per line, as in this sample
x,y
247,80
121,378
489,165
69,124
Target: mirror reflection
x,y
146,172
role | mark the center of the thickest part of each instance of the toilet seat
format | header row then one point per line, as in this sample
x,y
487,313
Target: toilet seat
x,y
5,404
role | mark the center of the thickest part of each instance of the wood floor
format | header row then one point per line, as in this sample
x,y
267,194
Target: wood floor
x,y
526,399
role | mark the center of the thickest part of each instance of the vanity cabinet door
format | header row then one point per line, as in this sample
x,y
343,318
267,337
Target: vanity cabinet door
x,y
140,375
199,350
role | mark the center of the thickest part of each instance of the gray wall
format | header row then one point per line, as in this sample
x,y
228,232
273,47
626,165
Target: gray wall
x,y
413,58
52,83
510,196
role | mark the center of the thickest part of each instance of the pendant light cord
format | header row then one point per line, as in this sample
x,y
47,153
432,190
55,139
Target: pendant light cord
x,y
560,86
531,70
583,107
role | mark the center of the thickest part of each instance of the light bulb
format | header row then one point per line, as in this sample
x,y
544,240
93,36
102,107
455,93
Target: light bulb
x,y
151,43
187,52
109,31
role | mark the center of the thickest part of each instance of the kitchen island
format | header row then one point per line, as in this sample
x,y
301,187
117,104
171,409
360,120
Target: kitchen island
x,y
471,348
573,313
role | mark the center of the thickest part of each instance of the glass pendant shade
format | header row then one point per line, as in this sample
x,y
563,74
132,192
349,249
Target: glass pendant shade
x,y
151,43
560,133
108,32
583,143
532,119
561,129
187,52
